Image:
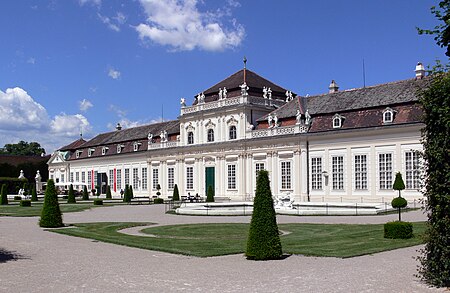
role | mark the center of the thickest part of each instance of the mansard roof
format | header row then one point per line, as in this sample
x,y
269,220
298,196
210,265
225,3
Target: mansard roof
x,y
73,145
134,133
393,93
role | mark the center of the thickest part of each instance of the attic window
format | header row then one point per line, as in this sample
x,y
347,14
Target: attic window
x,y
77,154
119,148
388,115
136,146
104,149
337,121
90,151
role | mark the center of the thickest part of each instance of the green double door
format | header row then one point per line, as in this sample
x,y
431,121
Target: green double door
x,y
209,179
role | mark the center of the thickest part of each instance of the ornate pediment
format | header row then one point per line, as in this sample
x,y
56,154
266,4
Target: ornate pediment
x,y
232,121
190,127
210,124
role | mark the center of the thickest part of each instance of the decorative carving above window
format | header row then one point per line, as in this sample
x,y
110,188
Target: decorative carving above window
x,y
232,121
190,127
210,124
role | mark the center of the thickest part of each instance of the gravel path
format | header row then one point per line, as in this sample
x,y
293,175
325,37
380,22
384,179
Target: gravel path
x,y
49,262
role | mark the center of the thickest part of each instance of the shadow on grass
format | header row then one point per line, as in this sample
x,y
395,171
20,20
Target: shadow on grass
x,y
6,256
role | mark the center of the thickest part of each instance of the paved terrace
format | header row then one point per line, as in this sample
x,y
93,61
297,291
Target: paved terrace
x,y
57,263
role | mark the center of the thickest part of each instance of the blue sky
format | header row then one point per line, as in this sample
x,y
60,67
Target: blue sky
x,y
87,64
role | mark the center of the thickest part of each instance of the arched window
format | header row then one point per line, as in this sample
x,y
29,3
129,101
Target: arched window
x,y
232,132
210,135
337,121
388,115
190,137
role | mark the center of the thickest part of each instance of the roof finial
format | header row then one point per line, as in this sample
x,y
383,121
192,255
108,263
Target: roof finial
x,y
81,131
245,67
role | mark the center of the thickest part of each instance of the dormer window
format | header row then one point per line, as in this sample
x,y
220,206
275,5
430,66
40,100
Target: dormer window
x,y
337,121
210,135
104,150
136,146
119,148
232,132
388,115
190,137
77,154
90,151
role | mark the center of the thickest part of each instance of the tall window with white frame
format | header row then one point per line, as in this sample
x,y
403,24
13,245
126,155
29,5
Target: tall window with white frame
x,y
89,179
170,177
95,179
71,177
135,178
258,167
77,176
62,178
385,170
361,172
111,178
232,132
316,173
286,175
412,168
119,178
337,168
83,177
210,135
155,178
190,137
127,176
189,178
144,178
231,176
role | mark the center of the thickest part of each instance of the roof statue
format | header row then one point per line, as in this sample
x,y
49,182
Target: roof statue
x,y
224,92
163,135
220,94
307,118
201,98
150,138
264,92
298,117
275,120
269,93
244,89
289,96
269,120
183,102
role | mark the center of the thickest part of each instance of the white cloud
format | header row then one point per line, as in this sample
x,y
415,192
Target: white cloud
x,y
31,60
106,20
180,25
85,105
22,118
114,74
91,2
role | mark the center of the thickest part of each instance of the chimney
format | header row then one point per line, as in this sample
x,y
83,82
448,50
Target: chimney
x,y
333,88
118,126
420,71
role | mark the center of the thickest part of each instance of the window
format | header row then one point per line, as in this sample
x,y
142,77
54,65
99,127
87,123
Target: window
x,y
62,178
119,178
337,163
385,170
361,172
90,152
127,176
89,179
77,154
144,178
155,178
232,132
111,178
258,167
104,149
190,139
136,146
231,176
189,178
170,177
337,121
412,170
83,177
210,135
71,177
77,176
285,175
135,178
388,115
119,148
95,177
316,173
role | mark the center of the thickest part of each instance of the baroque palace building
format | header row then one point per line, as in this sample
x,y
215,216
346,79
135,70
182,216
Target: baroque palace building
x,y
344,145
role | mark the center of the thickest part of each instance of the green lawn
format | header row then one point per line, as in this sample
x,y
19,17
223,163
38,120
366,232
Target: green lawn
x,y
36,207
205,240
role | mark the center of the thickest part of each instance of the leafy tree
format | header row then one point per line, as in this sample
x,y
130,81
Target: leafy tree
x,y
210,194
441,31
51,216
71,196
85,193
435,101
34,194
176,194
4,197
108,192
23,148
263,239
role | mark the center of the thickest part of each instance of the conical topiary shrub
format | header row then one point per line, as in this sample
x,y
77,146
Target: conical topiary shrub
x,y
263,239
34,194
51,216
85,193
98,191
210,194
176,194
108,192
71,196
126,195
131,192
4,197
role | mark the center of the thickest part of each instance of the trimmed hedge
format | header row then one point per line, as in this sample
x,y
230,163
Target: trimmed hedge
x,y
399,202
12,183
158,200
176,193
51,216
210,194
4,195
398,230
25,203
71,196
108,192
17,197
98,202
